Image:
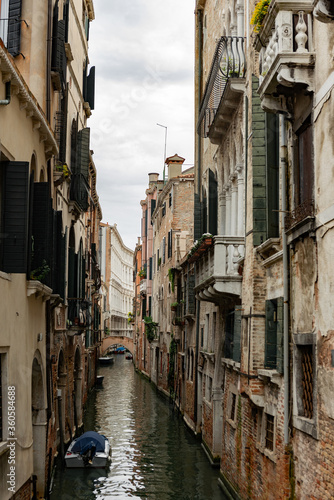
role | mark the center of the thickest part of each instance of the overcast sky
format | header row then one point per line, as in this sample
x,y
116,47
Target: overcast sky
x,y
143,51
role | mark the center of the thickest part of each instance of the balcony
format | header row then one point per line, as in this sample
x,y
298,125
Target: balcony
x,y
143,287
78,312
286,52
218,270
224,88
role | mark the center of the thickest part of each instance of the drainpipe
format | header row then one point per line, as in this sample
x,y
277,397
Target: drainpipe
x,y
6,101
285,281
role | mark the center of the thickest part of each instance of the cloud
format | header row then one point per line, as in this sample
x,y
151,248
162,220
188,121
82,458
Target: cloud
x,y
143,52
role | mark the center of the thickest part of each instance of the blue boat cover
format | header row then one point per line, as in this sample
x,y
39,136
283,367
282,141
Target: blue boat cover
x,y
87,440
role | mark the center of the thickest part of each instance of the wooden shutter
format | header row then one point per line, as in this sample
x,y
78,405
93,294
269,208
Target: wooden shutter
x,y
213,203
163,249
146,215
272,166
153,205
150,305
190,298
151,265
197,217
83,152
280,335
237,334
14,27
66,13
271,335
90,96
71,274
83,278
228,345
144,307
259,167
204,213
16,203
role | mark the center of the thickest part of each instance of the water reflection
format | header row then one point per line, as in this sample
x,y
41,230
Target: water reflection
x,y
154,456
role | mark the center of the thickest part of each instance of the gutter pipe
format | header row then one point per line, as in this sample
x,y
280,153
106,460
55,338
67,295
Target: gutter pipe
x,y
6,101
285,281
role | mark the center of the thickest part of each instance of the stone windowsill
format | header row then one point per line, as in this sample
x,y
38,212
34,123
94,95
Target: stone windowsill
x,y
272,376
5,276
231,363
3,447
232,423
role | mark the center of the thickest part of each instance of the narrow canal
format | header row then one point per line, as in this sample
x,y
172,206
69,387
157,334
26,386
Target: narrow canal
x,y
154,455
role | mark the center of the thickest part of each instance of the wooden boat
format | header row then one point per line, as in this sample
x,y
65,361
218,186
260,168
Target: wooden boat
x,y
106,360
90,450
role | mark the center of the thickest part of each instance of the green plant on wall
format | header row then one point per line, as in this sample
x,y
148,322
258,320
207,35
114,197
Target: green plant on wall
x,y
150,328
171,276
259,13
41,272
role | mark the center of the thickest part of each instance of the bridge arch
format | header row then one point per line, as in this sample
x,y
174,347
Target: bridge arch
x,y
113,340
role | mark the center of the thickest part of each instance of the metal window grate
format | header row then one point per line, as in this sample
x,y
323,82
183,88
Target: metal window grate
x,y
307,381
269,432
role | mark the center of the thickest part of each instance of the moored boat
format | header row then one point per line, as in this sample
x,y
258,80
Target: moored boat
x,y
106,360
89,450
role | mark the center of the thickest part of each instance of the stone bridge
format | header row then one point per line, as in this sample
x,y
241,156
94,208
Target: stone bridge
x,y
118,341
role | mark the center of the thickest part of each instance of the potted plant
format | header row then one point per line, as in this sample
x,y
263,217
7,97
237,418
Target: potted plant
x,y
174,305
142,273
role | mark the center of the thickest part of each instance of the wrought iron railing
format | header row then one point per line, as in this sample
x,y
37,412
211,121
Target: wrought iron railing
x,y
228,62
304,210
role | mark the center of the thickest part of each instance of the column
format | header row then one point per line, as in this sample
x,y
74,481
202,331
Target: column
x,y
241,201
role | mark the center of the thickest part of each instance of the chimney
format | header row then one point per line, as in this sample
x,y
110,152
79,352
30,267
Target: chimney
x,y
174,165
153,178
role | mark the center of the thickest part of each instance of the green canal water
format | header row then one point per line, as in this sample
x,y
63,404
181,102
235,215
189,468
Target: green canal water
x,y
154,455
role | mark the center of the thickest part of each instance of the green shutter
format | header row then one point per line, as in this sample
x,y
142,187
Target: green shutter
x,y
16,204
280,335
272,158
83,152
237,334
213,203
190,298
150,272
259,167
271,335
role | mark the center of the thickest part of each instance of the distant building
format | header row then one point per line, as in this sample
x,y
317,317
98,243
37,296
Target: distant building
x,y
117,264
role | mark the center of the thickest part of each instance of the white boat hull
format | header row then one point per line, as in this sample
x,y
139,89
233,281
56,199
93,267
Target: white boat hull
x,y
100,459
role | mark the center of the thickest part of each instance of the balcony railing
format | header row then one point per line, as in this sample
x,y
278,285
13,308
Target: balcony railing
x,y
228,63
285,47
218,274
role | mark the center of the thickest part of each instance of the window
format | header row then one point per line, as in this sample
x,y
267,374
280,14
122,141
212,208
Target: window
x,y
305,383
304,163
10,25
163,210
170,199
269,440
233,406
274,335
169,244
213,203
232,346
